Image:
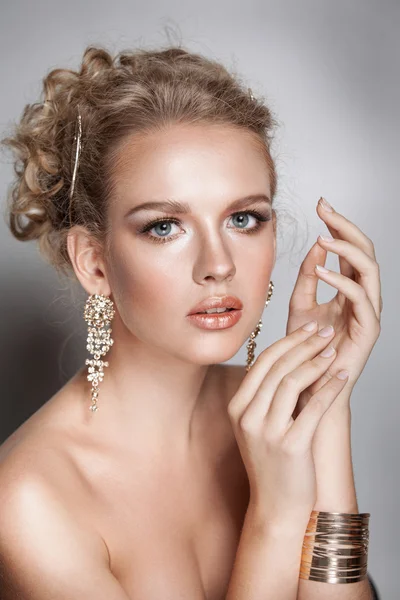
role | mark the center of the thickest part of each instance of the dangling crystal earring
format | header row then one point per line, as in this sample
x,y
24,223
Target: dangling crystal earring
x,y
251,344
99,311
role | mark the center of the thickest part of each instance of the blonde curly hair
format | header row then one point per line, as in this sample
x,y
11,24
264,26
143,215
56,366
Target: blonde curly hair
x,y
137,91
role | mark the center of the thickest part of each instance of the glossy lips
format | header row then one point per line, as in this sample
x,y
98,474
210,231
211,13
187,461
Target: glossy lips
x,y
217,320
217,302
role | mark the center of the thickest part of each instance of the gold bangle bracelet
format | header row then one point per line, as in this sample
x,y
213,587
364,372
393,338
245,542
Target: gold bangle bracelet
x,y
335,547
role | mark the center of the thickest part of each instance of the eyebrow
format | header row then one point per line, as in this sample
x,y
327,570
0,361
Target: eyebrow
x,y
183,208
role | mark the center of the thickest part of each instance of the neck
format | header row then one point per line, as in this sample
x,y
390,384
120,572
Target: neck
x,y
152,398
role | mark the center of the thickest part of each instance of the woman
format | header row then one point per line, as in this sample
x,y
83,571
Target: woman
x,y
149,177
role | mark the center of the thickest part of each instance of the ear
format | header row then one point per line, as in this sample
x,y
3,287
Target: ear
x,y
85,254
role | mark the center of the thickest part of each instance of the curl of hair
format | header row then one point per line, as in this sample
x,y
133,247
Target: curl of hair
x,y
135,92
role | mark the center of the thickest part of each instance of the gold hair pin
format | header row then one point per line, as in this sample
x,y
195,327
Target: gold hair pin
x,y
78,138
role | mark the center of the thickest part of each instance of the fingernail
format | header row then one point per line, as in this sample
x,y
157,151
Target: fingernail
x,y
326,237
326,331
310,325
342,374
325,204
322,269
329,351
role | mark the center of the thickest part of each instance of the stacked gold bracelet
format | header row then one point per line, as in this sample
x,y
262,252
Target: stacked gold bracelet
x,y
335,547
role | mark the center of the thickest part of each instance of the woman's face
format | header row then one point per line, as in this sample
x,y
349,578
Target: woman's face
x,y
157,276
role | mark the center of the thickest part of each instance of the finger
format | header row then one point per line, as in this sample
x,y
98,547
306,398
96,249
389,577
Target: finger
x,y
258,405
304,295
363,310
345,268
287,393
302,431
367,267
252,380
342,228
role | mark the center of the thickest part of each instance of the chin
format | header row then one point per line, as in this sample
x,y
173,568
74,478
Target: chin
x,y
205,355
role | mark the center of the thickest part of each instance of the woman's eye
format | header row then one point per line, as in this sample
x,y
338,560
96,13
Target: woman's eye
x,y
162,227
242,219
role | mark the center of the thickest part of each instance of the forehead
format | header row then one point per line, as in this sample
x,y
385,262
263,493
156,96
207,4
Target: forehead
x,y
191,163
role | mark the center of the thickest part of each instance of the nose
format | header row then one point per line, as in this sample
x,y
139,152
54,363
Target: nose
x,y
214,261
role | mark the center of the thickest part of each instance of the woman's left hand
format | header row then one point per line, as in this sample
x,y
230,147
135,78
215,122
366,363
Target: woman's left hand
x,y
356,309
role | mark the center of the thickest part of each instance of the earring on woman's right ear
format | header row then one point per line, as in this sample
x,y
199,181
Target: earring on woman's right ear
x,y
99,311
251,344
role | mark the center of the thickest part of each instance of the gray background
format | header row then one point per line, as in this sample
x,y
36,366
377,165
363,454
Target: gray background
x,y
330,71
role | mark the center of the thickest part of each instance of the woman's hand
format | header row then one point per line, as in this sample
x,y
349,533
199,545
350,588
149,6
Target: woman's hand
x,y
276,450
355,310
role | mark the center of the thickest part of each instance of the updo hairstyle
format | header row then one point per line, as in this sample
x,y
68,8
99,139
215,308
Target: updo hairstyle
x,y
135,92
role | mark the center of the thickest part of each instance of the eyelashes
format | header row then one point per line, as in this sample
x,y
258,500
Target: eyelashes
x,y
147,227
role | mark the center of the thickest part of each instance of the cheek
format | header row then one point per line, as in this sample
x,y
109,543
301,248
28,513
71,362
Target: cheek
x,y
258,265
140,285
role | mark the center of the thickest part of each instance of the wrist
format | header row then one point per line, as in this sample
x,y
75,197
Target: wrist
x,y
339,412
342,401
277,525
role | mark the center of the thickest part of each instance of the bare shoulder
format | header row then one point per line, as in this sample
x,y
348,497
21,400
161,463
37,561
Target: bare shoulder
x,y
48,431
47,550
50,543
38,457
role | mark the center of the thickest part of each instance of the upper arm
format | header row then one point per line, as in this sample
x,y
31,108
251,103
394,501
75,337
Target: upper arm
x,y
45,553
